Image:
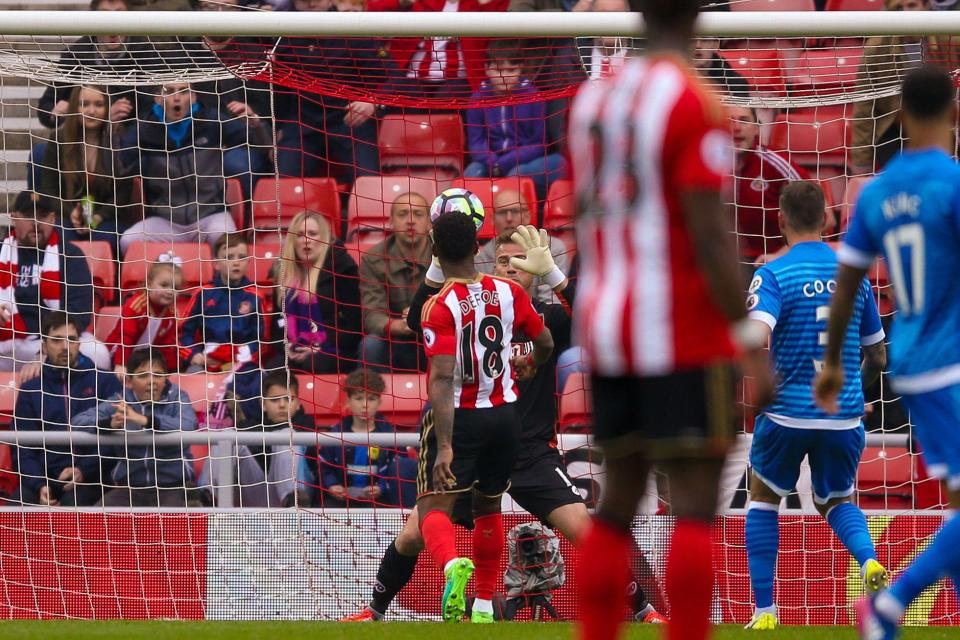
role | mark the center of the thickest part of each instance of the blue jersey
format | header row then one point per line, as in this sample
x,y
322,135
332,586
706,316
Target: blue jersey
x,y
911,215
792,296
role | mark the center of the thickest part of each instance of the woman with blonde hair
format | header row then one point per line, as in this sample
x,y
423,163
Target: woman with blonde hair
x,y
319,287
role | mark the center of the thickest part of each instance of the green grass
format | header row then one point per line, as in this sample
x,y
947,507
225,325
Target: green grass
x,y
161,630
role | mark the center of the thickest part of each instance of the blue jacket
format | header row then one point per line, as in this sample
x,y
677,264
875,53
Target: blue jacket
x,y
356,466
148,465
50,402
509,135
224,322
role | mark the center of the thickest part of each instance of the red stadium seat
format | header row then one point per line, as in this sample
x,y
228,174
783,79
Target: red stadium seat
x,y
817,70
576,412
403,399
295,196
773,5
854,187
321,397
559,210
855,5
372,197
885,478
233,197
761,68
102,265
361,244
430,144
262,256
203,388
104,322
486,188
196,263
814,137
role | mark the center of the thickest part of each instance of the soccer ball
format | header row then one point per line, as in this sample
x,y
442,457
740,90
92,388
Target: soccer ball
x,y
460,200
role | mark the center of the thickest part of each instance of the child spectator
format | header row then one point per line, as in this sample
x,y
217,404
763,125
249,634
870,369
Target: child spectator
x,y
350,474
510,140
146,475
148,319
224,325
321,298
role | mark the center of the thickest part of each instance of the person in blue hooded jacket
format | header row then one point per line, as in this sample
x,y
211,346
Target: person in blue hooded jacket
x,y
511,139
68,384
146,475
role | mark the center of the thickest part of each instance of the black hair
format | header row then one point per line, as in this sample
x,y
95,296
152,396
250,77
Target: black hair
x,y
454,237
34,203
56,319
803,205
279,378
148,356
928,92
507,50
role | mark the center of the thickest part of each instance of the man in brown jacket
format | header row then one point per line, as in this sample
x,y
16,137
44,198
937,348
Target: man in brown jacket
x,y
389,276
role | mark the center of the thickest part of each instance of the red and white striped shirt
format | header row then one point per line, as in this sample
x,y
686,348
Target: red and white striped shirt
x,y
638,141
475,320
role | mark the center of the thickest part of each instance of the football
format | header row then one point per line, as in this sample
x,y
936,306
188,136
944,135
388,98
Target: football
x,y
462,200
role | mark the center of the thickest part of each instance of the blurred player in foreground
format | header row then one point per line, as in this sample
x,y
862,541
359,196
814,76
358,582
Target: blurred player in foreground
x,y
660,313
789,298
910,214
468,328
539,483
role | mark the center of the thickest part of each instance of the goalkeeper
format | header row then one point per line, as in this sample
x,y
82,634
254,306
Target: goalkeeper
x,y
539,483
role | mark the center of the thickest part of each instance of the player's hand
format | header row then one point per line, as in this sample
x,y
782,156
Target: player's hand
x,y
443,478
756,367
827,386
536,244
524,367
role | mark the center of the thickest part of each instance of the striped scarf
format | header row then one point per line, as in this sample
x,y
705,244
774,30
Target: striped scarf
x,y
49,281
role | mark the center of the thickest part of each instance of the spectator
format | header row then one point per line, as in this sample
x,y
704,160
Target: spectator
x,y
510,140
40,272
356,475
81,167
760,176
148,319
267,474
389,276
146,475
224,326
510,210
877,136
607,54
321,298
179,151
711,65
68,384
320,130
112,55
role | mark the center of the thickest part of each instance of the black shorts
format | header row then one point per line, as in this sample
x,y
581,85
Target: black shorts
x,y
539,485
689,414
485,444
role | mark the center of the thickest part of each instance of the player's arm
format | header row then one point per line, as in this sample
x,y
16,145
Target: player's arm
x,y
871,338
440,391
874,362
426,289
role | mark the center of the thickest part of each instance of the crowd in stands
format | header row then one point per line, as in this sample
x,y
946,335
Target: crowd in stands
x,y
178,164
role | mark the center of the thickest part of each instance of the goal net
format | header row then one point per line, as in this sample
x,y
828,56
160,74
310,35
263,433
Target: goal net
x,y
223,424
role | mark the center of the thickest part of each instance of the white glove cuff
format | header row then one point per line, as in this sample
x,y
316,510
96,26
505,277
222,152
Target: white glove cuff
x,y
554,277
749,334
435,273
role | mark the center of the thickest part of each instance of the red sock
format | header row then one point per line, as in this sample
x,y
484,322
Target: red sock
x,y
690,581
439,537
602,577
487,551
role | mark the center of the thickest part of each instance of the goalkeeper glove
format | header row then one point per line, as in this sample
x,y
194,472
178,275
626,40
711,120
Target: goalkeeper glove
x,y
538,260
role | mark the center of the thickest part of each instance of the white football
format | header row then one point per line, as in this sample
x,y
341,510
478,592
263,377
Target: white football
x,y
461,200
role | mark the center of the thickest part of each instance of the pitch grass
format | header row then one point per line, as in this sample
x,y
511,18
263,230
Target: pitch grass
x,y
163,630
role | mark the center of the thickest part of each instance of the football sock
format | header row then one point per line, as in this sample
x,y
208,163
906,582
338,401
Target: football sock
x,y
394,573
763,539
487,552
850,525
690,578
439,538
941,558
602,577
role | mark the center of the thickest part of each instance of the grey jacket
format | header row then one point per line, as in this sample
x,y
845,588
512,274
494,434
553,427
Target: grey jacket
x,y
147,465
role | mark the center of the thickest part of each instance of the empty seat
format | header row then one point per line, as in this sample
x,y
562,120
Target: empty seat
x,y
262,256
195,260
203,388
576,410
403,399
235,202
295,195
559,210
372,197
761,68
320,397
885,478
487,188
813,137
818,70
104,321
773,5
855,5
422,142
102,265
